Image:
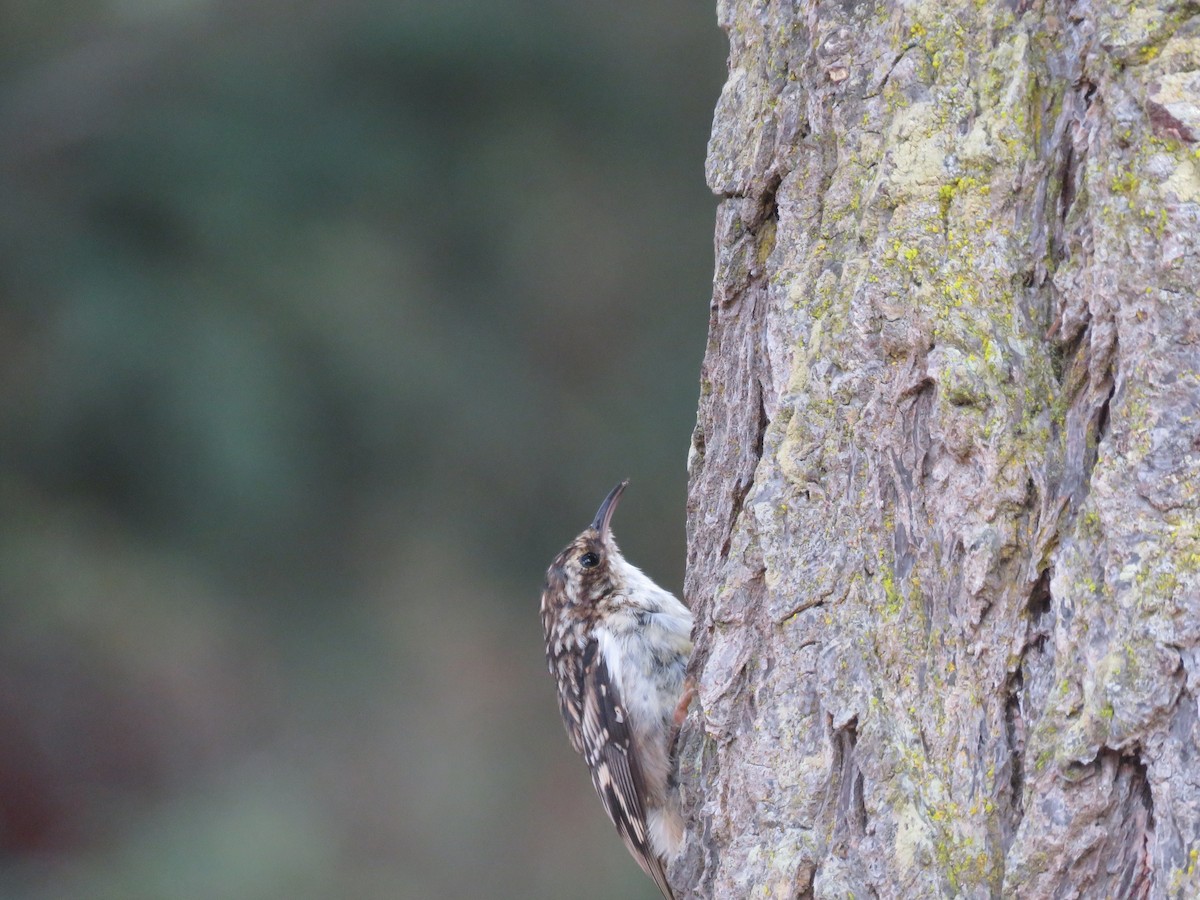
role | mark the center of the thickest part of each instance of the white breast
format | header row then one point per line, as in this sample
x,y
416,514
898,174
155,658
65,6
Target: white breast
x,y
646,646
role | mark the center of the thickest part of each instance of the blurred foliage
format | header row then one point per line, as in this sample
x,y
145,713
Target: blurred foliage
x,y
323,326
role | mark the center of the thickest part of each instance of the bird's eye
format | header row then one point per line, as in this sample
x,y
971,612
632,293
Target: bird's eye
x,y
589,560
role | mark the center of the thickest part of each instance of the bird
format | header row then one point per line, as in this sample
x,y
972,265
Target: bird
x,y
618,646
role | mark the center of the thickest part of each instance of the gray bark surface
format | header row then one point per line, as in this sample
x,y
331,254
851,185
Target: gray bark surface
x,y
943,533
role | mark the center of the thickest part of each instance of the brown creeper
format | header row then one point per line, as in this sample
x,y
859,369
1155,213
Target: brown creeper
x,y
618,645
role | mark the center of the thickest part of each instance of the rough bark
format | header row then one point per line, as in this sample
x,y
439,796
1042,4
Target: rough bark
x,y
944,546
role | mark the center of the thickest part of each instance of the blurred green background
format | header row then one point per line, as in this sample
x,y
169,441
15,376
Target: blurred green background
x,y
323,326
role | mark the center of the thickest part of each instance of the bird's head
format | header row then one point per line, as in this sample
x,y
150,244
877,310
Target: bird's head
x,y
591,566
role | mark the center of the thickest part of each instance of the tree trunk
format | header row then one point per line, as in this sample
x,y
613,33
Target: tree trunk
x,y
943,533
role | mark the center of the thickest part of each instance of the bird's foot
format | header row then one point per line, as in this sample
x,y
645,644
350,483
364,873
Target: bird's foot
x,y
681,709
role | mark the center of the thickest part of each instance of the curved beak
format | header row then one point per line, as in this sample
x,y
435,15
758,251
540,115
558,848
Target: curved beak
x,y
607,508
